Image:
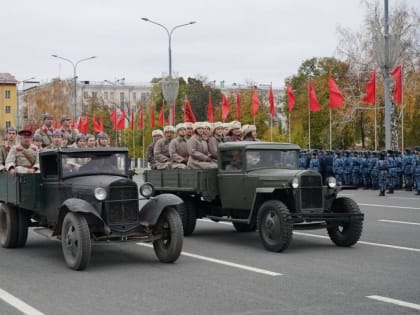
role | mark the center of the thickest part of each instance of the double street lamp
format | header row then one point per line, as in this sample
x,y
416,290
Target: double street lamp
x,y
169,85
74,64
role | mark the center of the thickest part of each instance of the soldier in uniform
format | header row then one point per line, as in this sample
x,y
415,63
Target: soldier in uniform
x,y
103,140
329,165
207,131
190,130
383,167
364,170
23,158
302,161
234,133
67,131
157,134
373,170
90,141
392,172
56,138
64,141
398,169
178,149
46,129
199,155
80,141
9,142
355,170
249,133
338,168
409,164
37,140
314,162
213,142
417,170
161,150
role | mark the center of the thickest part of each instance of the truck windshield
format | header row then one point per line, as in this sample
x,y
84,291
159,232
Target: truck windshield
x,y
257,159
84,163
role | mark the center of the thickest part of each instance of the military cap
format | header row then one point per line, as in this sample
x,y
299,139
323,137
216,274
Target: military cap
x,y
157,132
25,132
169,128
217,124
65,117
80,136
189,125
57,133
197,125
37,137
180,126
102,135
11,129
234,125
248,128
46,115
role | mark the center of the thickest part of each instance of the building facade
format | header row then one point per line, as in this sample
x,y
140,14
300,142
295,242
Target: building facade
x,y
8,101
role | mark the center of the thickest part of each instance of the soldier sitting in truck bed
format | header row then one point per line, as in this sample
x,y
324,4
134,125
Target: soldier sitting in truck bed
x,y
23,158
161,151
198,150
178,149
9,142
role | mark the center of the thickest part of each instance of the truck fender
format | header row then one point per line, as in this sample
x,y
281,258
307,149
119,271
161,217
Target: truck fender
x,y
79,206
150,212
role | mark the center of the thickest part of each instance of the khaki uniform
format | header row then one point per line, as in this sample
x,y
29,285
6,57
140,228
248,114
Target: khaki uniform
x,y
46,134
70,133
199,153
151,155
22,158
4,151
213,143
178,151
161,154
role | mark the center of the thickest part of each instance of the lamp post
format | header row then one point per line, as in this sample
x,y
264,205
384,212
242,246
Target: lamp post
x,y
169,85
74,64
18,118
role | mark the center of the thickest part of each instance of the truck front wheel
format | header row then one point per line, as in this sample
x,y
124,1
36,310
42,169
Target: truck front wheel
x,y
188,213
349,233
75,241
275,225
9,226
169,226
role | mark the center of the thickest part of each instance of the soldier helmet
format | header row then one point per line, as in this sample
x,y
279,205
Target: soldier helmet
x,y
169,128
47,116
37,137
64,117
25,133
57,133
180,126
157,132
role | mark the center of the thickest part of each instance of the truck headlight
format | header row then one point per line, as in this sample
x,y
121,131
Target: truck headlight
x,y
294,182
147,190
332,182
99,193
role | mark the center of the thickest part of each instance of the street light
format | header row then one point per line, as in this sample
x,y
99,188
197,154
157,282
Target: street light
x,y
74,64
18,118
169,85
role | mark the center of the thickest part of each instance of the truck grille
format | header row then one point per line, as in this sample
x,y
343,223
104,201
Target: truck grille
x,y
122,207
311,192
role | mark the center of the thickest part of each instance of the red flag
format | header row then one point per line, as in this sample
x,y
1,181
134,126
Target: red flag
x,y
56,124
113,117
188,113
141,119
96,125
121,121
336,97
225,107
290,97
152,117
210,117
370,97
162,116
255,103
397,75
132,118
86,124
238,107
271,101
313,101
79,124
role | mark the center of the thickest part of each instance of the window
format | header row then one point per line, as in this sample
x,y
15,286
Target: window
x,y
111,95
8,124
134,96
85,94
49,166
232,161
94,94
7,94
7,109
143,97
122,96
106,95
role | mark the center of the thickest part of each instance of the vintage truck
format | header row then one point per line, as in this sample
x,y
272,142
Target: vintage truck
x,y
83,196
258,185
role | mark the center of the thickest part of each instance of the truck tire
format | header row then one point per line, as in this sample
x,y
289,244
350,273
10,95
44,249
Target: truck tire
x,y
275,225
245,227
169,225
23,223
9,226
75,241
188,213
348,234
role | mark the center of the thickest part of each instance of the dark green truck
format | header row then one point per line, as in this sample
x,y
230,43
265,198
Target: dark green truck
x,y
83,196
258,186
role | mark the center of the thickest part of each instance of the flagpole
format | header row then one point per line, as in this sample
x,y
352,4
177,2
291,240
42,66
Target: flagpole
x,y
376,139
309,119
271,136
134,132
330,132
402,111
143,160
290,136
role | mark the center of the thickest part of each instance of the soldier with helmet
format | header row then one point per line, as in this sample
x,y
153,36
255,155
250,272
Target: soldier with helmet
x,y
66,129
161,150
178,149
56,138
157,134
46,130
373,171
9,142
23,158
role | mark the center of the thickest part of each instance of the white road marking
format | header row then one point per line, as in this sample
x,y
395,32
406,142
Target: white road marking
x,y
404,198
226,263
386,206
344,194
402,222
18,304
394,301
363,242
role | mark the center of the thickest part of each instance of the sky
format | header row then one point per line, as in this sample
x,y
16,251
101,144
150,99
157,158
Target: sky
x,y
242,41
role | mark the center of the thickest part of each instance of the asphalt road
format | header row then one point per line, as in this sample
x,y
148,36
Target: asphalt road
x,y
225,272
